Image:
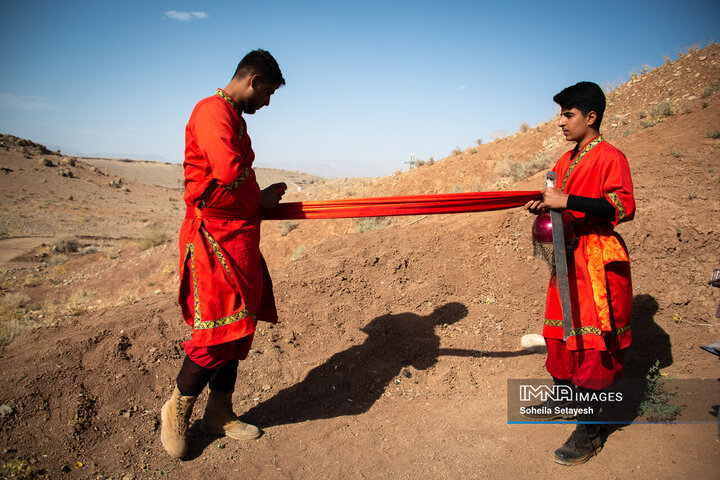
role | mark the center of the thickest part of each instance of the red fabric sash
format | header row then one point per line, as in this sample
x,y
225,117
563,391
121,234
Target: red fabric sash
x,y
404,205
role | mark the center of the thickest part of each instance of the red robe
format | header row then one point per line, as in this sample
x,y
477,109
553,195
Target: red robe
x,y
224,284
599,268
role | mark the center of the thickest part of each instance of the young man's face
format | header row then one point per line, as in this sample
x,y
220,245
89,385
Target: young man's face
x,y
576,126
260,98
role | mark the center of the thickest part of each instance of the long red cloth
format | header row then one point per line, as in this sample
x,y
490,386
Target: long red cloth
x,y
402,205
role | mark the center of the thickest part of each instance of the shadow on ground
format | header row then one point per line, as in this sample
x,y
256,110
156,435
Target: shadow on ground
x,y
351,381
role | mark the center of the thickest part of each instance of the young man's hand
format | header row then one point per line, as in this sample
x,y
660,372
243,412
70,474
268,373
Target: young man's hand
x,y
553,199
272,195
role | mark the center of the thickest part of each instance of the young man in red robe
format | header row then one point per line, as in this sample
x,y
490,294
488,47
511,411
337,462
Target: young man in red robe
x,y
595,192
225,287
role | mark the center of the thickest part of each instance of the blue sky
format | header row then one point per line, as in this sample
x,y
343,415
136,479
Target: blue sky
x,y
368,83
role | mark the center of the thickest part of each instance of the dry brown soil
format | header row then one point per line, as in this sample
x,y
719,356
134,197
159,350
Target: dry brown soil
x,y
395,345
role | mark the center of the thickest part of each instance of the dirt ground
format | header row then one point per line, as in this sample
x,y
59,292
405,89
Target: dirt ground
x,y
395,344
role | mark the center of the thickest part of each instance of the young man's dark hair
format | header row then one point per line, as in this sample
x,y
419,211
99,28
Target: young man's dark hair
x,y
586,97
260,62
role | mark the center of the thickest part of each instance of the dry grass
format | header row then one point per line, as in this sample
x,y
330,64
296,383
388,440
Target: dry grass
x,y
518,170
152,238
12,310
371,223
287,226
299,252
66,245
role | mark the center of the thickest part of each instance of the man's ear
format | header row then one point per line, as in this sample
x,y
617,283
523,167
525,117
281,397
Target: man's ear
x,y
255,81
591,118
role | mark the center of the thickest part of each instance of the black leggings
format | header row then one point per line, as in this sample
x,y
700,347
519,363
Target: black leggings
x,y
192,378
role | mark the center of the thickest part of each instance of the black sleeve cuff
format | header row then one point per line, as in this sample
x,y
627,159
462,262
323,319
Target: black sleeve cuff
x,y
597,207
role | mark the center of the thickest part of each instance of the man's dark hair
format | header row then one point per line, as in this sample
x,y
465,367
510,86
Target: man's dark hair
x,y
260,62
586,97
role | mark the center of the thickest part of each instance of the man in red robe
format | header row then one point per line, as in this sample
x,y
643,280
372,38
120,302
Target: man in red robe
x,y
225,287
595,192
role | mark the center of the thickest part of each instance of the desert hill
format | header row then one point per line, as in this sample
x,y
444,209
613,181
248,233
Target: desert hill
x,y
397,336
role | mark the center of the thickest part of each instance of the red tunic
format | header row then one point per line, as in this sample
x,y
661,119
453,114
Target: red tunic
x,y
224,284
599,269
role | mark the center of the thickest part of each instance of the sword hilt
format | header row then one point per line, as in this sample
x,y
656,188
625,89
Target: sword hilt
x,y
550,179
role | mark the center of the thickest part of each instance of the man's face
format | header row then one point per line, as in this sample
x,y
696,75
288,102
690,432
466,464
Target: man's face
x,y
260,98
575,126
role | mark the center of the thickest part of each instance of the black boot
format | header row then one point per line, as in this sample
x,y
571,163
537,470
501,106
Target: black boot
x,y
552,410
586,440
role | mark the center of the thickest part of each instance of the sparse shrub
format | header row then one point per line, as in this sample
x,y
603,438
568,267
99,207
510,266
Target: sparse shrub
x,y
457,188
12,309
299,252
662,109
153,238
431,161
287,226
656,404
518,170
647,123
419,162
524,127
498,134
169,269
675,153
642,114
509,168
371,223
711,89
17,469
456,151
714,134
479,141
66,245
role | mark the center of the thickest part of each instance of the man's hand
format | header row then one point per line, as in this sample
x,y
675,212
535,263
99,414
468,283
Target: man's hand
x,y
553,199
272,195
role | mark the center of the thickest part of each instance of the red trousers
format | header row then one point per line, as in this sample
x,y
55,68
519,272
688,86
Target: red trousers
x,y
591,369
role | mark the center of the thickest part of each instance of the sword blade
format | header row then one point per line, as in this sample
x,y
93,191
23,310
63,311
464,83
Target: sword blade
x,y
561,264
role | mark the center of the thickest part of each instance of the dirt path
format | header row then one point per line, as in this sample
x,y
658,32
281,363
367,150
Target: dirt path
x,y
11,248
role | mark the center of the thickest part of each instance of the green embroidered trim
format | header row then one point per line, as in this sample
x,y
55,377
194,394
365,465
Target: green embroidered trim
x,y
553,323
216,250
587,330
221,322
221,93
198,323
574,163
190,250
238,181
618,204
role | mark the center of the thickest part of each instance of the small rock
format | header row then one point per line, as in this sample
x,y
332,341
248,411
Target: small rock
x,y
407,373
533,342
46,162
6,410
266,387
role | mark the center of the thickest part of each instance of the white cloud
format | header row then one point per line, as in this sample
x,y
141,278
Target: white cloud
x,y
462,87
185,16
23,102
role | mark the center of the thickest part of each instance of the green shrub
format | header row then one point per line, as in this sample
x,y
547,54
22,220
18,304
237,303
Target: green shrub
x,y
66,245
715,134
662,109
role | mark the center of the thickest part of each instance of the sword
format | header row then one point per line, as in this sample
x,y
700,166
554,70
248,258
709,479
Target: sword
x,y
561,264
